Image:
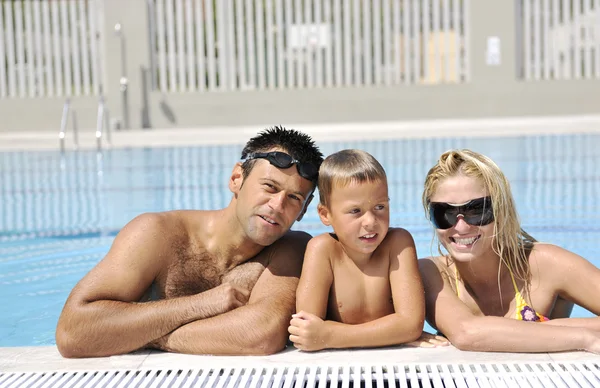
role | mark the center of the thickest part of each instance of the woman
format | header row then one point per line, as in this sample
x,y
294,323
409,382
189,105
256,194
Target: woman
x,y
496,280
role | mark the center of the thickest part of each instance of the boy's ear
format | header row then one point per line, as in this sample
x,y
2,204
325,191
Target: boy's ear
x,y
308,201
323,214
237,178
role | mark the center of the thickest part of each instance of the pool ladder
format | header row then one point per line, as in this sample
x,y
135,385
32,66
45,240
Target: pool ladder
x,y
102,125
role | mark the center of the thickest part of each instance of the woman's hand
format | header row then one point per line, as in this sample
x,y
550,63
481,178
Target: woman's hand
x,y
428,340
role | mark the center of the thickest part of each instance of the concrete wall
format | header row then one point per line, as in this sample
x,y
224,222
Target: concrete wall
x,y
491,91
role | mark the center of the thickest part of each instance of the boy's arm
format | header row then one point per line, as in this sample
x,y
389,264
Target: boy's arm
x,y
312,295
404,325
101,317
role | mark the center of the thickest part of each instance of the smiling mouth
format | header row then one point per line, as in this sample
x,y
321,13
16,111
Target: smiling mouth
x,y
269,220
466,241
368,236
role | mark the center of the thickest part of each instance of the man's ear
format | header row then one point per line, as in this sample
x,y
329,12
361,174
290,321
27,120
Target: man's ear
x,y
308,201
237,178
324,214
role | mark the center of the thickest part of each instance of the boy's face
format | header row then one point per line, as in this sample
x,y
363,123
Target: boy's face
x,y
359,214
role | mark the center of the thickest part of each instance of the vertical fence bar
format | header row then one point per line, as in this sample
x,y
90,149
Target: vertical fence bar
x,y
537,40
358,79
189,40
22,84
554,40
596,18
76,53
334,77
241,47
416,36
94,51
546,34
387,43
347,43
256,44
171,54
10,49
309,46
567,49
231,52
367,43
279,25
180,48
576,39
527,23
288,53
3,90
435,34
319,62
425,50
47,65
64,4
250,46
299,51
466,35
200,55
30,51
397,41
588,42
211,64
407,47
458,39
377,42
161,46
270,28
85,54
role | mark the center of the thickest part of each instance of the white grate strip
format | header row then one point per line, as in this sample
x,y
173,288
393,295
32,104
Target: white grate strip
x,y
367,376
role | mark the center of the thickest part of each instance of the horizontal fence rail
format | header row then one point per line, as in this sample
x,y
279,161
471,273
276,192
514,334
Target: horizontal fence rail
x,y
208,45
49,48
560,39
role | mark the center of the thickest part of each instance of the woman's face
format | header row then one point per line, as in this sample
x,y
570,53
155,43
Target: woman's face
x,y
464,242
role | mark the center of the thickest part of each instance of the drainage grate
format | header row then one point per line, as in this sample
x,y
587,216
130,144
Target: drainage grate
x,y
532,375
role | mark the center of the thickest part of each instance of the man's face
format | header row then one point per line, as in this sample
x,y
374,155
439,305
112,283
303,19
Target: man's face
x,y
269,200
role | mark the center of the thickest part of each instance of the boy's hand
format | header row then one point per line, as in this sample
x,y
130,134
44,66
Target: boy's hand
x,y
429,341
308,332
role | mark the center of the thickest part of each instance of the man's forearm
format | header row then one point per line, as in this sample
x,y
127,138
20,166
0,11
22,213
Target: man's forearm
x,y
104,327
255,329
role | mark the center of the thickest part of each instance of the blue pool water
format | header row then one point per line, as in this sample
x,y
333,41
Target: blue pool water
x,y
59,215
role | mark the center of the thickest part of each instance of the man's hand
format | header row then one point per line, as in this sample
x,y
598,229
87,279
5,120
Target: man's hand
x,y
428,340
308,332
226,297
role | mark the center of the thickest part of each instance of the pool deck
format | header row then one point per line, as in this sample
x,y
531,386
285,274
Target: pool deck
x,y
47,358
517,126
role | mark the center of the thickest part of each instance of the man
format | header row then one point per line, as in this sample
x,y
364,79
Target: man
x,y
225,279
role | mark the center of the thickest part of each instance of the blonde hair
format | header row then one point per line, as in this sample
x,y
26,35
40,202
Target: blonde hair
x,y
510,242
346,166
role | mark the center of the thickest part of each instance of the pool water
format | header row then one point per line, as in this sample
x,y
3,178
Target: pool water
x,y
59,214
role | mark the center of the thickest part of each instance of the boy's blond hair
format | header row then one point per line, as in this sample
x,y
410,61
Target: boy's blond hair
x,y
511,243
343,167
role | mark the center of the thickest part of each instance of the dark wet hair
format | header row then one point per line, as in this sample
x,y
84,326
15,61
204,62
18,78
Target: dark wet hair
x,y
298,145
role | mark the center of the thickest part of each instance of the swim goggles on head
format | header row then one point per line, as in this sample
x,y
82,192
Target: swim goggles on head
x,y
477,212
279,159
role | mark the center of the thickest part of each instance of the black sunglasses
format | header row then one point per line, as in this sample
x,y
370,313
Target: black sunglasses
x,y
279,159
475,212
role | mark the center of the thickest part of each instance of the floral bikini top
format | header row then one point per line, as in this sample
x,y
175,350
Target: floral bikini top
x,y
524,312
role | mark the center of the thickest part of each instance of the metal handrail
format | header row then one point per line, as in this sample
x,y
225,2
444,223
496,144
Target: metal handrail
x,y
64,122
102,123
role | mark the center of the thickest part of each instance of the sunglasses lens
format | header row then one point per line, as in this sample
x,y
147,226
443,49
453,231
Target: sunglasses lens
x,y
281,160
476,212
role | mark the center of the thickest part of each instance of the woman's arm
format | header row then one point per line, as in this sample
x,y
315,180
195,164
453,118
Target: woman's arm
x,y
466,331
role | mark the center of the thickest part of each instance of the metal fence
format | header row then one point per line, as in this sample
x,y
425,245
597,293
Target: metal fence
x,y
560,39
207,45
49,48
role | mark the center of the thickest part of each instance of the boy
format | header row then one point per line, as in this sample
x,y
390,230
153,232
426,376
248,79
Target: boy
x,y
360,285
